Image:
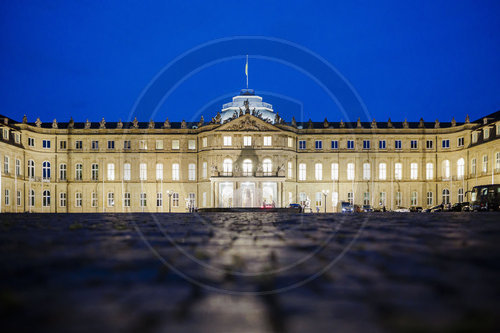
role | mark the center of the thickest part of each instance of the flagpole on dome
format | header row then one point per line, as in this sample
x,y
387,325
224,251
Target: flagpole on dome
x,y
246,70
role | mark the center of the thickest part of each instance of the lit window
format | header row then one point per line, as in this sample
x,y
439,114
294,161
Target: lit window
x,y
204,169
175,144
290,142
366,171
191,171
143,171
319,199
382,171
175,171
399,199
302,171
227,140
290,169
398,171
350,198
474,137
267,167
414,171
473,166
143,144
429,171
267,141
204,142
318,171
413,199
159,144
111,199
227,167
247,168
366,198
159,171
126,171
335,171
111,171
247,141
350,171
460,168
485,163
191,144
446,169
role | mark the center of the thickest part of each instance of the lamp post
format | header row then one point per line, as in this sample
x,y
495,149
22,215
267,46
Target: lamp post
x,y
169,193
325,193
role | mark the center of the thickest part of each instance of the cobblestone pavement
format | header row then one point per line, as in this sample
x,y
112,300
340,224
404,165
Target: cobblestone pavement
x,y
250,272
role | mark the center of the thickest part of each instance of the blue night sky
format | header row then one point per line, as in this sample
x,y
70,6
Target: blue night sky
x,y
87,59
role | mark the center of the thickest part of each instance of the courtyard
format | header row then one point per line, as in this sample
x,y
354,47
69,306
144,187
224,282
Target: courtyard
x,y
250,272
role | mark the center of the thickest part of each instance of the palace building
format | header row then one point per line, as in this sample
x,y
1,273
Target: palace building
x,y
246,156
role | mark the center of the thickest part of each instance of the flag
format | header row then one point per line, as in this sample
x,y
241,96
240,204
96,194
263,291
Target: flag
x,y
246,70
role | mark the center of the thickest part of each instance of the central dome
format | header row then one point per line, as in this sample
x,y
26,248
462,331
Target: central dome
x,y
254,103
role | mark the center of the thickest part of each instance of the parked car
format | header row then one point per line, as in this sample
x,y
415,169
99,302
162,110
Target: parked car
x,y
460,207
367,208
438,208
296,206
402,210
416,209
485,198
346,207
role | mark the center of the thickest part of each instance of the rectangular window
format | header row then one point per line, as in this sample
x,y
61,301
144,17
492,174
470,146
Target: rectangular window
x,y
335,171
485,163
111,171
127,144
62,172
474,137
350,144
111,144
175,145
413,144
62,199
429,144
486,133
78,199
143,199
126,199
350,198
7,197
267,141
381,144
78,172
366,171
175,171
62,144
204,199
413,171
399,199
413,199
143,171
191,144
366,144
290,170
382,199
429,199
204,142
159,199
18,167
319,144
429,171
126,171
159,144
95,172
31,169
175,199
319,199
95,144
5,134
382,171
460,195
473,166
31,142
366,198
143,144
6,166
191,171
46,144
318,171
397,144
204,170
398,171
111,199
18,198
335,144
302,144
159,171
227,141
460,142
17,137
302,171
350,171
79,144
247,141
93,199
445,144
290,142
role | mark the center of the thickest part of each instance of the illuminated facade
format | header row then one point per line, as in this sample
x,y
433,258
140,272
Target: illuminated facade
x,y
244,157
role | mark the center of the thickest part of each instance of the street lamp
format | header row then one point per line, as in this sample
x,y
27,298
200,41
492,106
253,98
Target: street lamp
x,y
325,193
169,193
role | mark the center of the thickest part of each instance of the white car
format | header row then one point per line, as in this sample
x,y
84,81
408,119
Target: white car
x,y
402,210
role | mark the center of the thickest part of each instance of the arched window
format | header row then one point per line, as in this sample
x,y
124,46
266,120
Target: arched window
x,y
460,168
318,171
62,171
429,171
143,171
247,168
46,198
414,171
192,171
227,167
350,171
382,171
31,169
446,196
267,167
398,171
95,171
446,169
126,171
485,163
46,170
31,198
78,171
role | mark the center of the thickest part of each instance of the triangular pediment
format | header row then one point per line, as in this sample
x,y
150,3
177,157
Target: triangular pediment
x,y
248,122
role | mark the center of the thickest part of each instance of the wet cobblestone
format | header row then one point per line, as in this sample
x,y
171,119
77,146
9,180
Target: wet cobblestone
x,y
250,272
